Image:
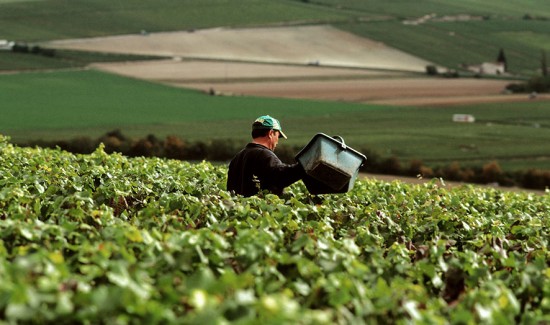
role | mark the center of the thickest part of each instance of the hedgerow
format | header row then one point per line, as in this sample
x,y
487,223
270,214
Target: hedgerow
x,y
223,150
105,238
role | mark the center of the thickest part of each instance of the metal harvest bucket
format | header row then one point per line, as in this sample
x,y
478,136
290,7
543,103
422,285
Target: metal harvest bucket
x,y
331,166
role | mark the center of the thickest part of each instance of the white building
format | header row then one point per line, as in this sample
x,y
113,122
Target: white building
x,y
464,118
491,68
6,45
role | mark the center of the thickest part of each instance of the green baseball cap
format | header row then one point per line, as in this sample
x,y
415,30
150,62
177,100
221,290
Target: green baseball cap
x,y
268,122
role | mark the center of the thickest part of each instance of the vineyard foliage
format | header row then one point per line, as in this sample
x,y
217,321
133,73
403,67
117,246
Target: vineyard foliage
x,y
103,238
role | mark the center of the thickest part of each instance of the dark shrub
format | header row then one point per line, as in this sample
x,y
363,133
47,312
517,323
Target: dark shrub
x,y
84,145
536,179
415,167
452,172
491,172
174,147
117,134
431,70
391,165
20,48
222,149
287,153
539,84
112,144
196,151
142,147
517,87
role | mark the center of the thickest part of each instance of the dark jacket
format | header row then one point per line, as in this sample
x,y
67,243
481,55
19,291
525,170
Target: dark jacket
x,y
257,168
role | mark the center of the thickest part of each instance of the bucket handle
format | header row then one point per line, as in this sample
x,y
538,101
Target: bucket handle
x,y
339,138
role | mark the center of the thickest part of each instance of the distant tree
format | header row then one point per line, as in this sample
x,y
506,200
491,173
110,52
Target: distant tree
x,y
117,134
431,70
491,172
142,147
543,66
502,59
391,166
20,48
174,147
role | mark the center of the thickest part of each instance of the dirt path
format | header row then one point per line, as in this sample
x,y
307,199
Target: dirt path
x,y
446,184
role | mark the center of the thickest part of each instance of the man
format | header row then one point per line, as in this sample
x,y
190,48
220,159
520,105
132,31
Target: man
x,y
256,167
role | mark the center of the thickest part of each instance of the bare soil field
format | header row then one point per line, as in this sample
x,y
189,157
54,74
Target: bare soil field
x,y
228,72
390,91
317,82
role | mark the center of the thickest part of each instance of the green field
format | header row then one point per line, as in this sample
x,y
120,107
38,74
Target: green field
x,y
58,19
63,59
60,105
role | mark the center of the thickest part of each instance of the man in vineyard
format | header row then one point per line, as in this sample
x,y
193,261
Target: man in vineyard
x,y
256,167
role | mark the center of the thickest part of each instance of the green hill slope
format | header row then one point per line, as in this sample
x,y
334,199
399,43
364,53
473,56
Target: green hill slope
x,y
521,29
58,19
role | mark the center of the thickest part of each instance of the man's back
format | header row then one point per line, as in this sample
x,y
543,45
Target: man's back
x,y
257,168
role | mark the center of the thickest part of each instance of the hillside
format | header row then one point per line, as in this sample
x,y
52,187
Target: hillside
x,y
319,45
444,32
308,62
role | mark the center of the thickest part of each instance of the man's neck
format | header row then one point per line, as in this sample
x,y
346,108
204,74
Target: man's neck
x,y
262,141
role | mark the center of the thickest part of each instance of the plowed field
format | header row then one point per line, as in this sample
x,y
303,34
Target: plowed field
x,y
316,82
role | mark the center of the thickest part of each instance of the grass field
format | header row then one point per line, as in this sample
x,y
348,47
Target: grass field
x,y
63,59
59,19
70,104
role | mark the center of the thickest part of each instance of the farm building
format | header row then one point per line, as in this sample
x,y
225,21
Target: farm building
x,y
491,68
6,45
